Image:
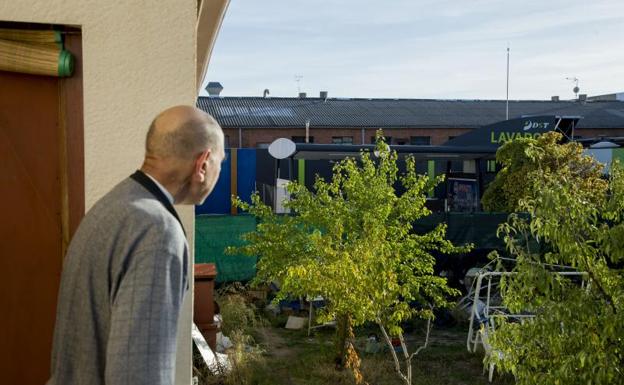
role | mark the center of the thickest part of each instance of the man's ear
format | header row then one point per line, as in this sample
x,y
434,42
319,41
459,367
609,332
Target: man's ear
x,y
199,170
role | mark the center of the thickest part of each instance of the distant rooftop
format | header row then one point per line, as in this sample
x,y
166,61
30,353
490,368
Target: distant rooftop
x,y
608,97
259,112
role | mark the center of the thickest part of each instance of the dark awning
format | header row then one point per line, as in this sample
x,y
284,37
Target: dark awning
x,y
341,151
495,135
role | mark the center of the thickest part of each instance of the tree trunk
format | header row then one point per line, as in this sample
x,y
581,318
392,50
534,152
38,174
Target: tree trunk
x,y
342,328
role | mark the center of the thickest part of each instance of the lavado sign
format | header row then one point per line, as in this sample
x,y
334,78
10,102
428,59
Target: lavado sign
x,y
496,134
529,130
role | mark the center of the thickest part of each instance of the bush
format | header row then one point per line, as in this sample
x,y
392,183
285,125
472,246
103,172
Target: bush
x,y
239,319
238,316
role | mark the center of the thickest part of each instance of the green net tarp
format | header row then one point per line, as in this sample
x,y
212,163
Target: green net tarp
x,y
213,233
463,228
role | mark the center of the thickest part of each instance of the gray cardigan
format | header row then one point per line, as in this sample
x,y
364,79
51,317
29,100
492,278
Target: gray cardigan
x,y
123,282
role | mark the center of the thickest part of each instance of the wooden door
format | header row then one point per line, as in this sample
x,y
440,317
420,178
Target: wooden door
x,y
41,201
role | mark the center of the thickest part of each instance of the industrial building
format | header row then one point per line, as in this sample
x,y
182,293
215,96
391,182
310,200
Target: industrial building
x,y
255,122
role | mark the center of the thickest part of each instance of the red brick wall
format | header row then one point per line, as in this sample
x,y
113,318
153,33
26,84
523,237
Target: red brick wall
x,y
254,136
596,132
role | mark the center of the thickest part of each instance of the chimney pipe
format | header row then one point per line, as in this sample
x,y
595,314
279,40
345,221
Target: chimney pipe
x,y
265,93
214,89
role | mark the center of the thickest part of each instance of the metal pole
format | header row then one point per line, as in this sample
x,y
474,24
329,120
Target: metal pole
x,y
507,102
307,131
277,175
473,311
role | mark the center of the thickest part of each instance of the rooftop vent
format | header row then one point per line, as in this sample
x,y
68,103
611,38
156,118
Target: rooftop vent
x,y
554,98
302,95
582,97
323,95
214,89
265,93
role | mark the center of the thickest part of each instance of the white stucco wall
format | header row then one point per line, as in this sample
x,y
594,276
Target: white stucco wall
x,y
138,58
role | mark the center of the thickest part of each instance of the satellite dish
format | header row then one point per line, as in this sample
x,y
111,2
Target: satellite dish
x,y
282,148
604,144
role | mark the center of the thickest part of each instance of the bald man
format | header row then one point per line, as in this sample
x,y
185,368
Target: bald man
x,y
125,274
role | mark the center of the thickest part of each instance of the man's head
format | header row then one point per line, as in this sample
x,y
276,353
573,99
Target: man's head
x,y
184,151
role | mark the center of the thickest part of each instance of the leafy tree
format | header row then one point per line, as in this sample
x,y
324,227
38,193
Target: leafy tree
x,y
525,159
351,242
577,335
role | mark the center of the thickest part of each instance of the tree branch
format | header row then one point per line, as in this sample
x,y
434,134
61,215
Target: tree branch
x,y
423,346
397,365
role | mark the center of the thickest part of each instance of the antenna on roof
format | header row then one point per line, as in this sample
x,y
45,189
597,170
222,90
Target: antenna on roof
x,y
298,79
576,88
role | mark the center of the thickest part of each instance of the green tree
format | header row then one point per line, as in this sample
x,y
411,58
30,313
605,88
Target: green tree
x,y
351,242
525,159
577,335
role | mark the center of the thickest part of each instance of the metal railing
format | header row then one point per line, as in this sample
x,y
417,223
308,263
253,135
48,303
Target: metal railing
x,y
483,308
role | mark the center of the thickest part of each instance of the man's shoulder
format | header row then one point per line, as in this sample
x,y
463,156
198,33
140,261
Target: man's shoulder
x,y
130,216
131,203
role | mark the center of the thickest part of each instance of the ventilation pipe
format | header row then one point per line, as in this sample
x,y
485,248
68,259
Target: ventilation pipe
x,y
214,89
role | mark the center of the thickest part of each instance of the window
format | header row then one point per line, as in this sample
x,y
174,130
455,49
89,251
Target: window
x,y
457,166
342,140
301,139
420,140
401,141
388,139
262,145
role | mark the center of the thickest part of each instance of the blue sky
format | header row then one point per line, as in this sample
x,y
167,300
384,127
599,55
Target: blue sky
x,y
438,49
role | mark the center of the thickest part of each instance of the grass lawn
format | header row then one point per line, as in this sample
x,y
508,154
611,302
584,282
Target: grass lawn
x,y
292,358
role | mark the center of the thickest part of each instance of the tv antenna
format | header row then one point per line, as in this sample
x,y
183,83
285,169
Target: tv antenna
x,y
298,79
576,88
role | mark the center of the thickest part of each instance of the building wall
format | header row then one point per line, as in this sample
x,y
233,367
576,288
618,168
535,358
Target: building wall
x,y
597,132
130,73
254,136
139,58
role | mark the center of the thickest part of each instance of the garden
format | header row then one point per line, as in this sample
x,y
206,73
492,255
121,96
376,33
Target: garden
x,y
554,316
274,355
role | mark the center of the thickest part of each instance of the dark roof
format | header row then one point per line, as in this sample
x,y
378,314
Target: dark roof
x,y
258,112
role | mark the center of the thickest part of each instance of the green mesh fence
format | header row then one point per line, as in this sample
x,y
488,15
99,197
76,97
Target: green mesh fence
x,y
213,233
463,228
